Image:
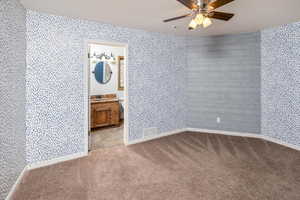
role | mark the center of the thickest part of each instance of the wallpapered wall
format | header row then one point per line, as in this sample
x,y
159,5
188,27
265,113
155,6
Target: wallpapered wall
x,y
12,93
224,81
280,92
55,101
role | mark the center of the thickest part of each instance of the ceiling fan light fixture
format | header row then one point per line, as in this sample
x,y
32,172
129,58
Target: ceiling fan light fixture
x,y
199,19
193,24
206,22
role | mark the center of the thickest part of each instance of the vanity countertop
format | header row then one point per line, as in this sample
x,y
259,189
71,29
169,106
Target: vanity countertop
x,y
102,100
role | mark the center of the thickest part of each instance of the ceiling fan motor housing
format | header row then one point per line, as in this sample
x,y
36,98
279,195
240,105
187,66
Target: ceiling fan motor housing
x,y
202,4
202,7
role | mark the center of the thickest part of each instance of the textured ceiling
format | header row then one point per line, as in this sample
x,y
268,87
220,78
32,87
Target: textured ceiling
x,y
250,15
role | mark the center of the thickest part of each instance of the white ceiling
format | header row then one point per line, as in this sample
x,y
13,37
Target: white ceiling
x,y
250,15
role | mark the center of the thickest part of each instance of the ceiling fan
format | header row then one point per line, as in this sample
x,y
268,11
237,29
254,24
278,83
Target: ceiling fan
x,y
202,11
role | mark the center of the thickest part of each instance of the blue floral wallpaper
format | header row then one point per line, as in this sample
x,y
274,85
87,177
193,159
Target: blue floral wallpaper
x,y
12,93
157,80
280,83
55,101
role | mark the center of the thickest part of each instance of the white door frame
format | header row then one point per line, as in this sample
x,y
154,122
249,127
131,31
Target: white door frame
x,y
86,79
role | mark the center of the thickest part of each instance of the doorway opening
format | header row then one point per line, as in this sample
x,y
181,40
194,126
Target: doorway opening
x,y
107,95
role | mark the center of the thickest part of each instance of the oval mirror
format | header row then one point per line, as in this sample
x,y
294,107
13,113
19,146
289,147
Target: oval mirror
x,y
102,72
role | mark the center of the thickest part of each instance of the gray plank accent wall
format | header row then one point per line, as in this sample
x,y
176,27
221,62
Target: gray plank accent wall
x,y
223,80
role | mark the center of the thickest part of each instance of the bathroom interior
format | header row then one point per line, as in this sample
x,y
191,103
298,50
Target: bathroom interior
x,y
106,95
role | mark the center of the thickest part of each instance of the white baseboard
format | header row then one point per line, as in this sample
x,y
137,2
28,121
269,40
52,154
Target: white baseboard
x,y
252,135
243,134
156,136
18,181
221,132
56,160
280,142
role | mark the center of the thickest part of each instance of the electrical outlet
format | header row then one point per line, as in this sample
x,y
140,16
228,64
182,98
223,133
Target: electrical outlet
x,y
218,120
150,132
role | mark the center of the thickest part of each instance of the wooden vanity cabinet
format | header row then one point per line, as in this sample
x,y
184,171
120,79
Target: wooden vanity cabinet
x,y
105,114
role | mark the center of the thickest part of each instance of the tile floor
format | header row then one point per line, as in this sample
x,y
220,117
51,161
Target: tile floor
x,y
107,137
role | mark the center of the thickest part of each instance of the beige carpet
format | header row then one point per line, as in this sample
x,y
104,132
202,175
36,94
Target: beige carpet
x,y
187,166
107,137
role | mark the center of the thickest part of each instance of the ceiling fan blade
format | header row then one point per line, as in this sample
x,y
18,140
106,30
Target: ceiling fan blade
x,y
219,3
188,3
221,15
175,18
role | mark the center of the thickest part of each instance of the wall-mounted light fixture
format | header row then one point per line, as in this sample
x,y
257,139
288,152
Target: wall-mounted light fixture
x,y
104,57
